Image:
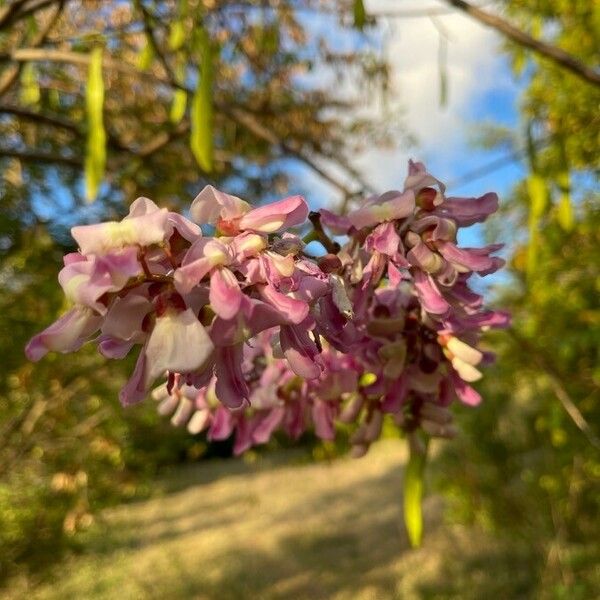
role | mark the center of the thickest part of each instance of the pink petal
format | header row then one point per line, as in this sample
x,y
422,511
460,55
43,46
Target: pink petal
x,y
300,351
143,230
438,228
421,256
178,343
142,206
125,316
266,424
336,223
395,396
190,275
210,205
387,207
323,414
135,390
115,348
433,302
384,239
472,259
67,334
466,211
222,424
231,388
418,178
255,316
243,436
292,310
283,214
187,230
465,392
225,293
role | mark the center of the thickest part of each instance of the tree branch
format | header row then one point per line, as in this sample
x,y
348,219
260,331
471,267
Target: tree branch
x,y
31,156
53,120
555,54
237,114
9,12
557,385
10,76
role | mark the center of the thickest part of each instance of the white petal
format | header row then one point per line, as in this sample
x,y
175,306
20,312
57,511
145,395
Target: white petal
x,y
466,371
464,351
178,343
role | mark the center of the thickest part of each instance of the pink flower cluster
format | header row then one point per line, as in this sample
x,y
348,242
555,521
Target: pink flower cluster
x,y
254,335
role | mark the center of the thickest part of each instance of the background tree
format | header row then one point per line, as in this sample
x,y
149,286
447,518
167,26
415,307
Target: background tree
x,y
108,101
528,464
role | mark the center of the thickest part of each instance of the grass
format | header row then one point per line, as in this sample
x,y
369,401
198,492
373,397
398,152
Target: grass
x,y
273,529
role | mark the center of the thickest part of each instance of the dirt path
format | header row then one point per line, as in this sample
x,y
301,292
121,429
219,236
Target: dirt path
x,y
261,531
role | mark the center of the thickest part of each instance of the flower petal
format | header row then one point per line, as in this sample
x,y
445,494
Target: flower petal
x,y
225,294
67,334
431,298
178,343
211,204
272,217
231,388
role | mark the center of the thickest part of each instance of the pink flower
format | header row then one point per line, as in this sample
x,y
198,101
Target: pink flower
x,y
178,342
67,334
253,335
390,206
231,214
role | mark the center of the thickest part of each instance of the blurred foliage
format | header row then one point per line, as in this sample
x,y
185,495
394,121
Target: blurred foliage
x,y
281,96
527,464
123,91
222,92
561,108
67,448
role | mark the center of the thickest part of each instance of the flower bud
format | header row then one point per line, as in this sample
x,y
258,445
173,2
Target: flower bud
x,y
330,263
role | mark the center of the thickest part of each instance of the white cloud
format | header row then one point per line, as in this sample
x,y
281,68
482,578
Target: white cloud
x,y
475,69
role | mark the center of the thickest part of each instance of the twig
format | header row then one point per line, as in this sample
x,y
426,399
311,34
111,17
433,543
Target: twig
x,y
43,157
559,389
319,235
237,114
554,53
10,76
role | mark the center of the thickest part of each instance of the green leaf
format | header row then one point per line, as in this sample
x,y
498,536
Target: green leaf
x,y
538,194
176,35
95,158
146,55
538,202
360,14
30,89
564,215
413,491
178,106
201,114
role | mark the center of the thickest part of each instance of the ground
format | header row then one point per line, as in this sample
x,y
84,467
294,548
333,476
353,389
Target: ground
x,y
276,528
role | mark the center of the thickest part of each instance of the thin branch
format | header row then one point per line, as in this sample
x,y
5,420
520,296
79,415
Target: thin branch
x,y
9,12
32,156
10,76
52,120
503,161
557,385
148,17
37,6
237,114
555,54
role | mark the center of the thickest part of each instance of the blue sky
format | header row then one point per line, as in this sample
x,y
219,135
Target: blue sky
x,y
481,87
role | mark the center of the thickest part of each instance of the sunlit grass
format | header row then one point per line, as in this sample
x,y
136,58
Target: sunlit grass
x,y
279,529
